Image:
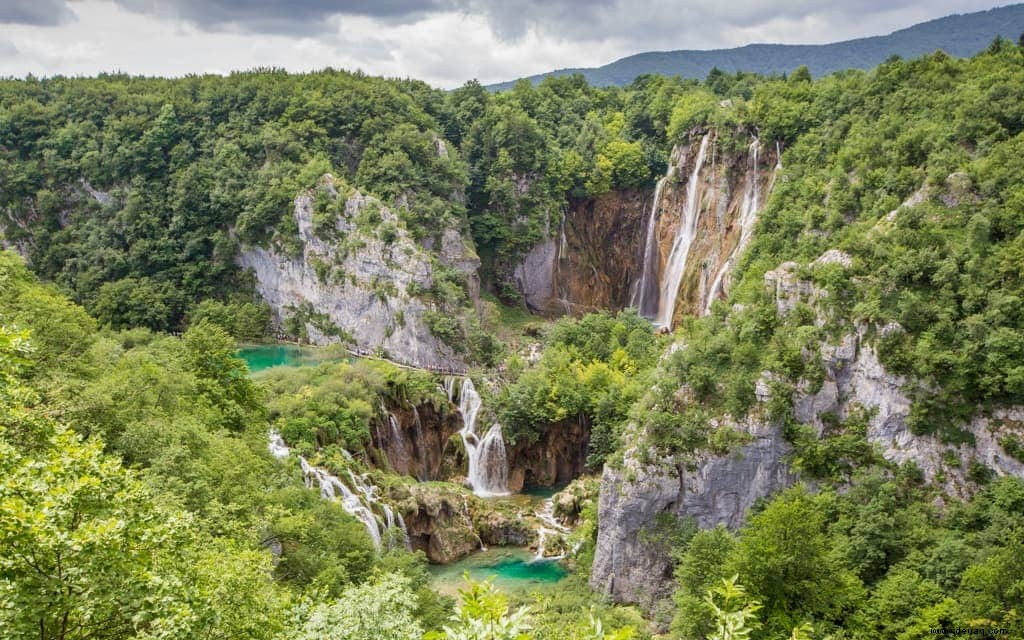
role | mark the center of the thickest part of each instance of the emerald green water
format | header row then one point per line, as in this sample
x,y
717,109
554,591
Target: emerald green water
x,y
510,569
265,356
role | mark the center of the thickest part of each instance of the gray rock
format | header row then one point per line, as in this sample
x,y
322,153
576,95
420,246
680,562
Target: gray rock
x,y
370,298
535,275
712,490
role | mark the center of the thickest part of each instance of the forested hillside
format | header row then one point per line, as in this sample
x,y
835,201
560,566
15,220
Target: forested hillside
x,y
828,445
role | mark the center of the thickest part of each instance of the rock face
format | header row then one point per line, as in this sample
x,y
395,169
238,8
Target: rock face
x,y
448,523
713,490
597,259
559,455
855,379
358,283
417,441
591,263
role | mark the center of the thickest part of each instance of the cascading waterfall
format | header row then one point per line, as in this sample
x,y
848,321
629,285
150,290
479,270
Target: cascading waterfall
x,y
645,296
748,217
488,460
402,454
676,264
421,450
277,446
358,502
550,529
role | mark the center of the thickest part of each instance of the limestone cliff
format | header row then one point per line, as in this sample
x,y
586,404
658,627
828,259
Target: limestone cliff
x,y
362,280
674,247
417,441
714,489
704,218
628,564
558,456
593,261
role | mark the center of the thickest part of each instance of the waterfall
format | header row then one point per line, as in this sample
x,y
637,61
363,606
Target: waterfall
x,y
420,445
563,246
645,296
550,528
488,461
401,452
681,246
359,501
277,446
748,217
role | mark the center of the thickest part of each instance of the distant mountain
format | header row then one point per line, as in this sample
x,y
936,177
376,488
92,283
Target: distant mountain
x,y
959,35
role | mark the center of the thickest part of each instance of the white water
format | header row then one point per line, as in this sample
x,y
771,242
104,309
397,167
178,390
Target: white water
x,y
421,448
359,503
749,209
277,446
401,453
685,235
550,529
488,461
644,297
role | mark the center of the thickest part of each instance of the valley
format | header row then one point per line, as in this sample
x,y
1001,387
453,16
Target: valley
x,y
319,355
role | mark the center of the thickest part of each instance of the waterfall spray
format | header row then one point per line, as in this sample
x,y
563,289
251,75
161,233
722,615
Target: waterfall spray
x,y
645,297
748,218
488,460
681,246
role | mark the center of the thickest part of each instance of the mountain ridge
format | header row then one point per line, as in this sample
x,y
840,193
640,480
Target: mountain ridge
x,y
960,35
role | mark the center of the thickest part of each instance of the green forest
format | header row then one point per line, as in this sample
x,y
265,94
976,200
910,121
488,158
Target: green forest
x,y
138,497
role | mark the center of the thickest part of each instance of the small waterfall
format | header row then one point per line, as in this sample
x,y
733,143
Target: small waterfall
x,y
550,528
749,209
360,501
645,295
402,459
681,246
277,446
563,246
449,388
488,461
420,445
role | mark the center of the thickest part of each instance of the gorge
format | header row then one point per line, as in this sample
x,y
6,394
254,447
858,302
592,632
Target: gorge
x,y
280,350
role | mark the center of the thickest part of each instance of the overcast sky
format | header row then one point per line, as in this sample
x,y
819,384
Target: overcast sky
x,y
444,42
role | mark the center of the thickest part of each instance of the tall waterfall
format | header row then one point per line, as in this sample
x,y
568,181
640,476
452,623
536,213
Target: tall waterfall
x,y
645,296
360,501
488,461
748,217
681,246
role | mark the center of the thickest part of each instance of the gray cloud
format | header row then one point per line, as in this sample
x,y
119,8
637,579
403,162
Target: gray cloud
x,y
442,41
8,50
693,23
35,12
274,16
650,24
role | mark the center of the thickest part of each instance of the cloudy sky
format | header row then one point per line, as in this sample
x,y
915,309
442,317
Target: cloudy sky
x,y
444,42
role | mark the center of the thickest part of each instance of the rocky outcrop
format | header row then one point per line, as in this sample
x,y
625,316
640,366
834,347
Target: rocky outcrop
x,y
594,259
417,441
629,565
439,522
856,380
447,522
559,455
359,281
713,489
